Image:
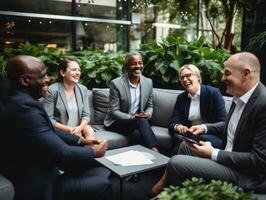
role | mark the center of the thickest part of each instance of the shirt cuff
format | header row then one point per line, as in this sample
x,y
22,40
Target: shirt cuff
x,y
175,126
205,128
215,154
79,141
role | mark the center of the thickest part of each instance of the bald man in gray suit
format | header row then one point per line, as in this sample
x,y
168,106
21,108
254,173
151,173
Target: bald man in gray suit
x,y
242,158
130,102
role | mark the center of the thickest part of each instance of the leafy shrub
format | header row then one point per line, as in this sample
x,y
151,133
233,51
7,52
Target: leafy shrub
x,y
198,189
163,60
96,67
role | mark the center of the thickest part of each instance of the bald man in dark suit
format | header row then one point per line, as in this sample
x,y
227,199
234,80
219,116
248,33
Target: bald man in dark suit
x,y
242,158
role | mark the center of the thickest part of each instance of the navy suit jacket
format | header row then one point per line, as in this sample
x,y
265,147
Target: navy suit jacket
x,y
31,150
212,107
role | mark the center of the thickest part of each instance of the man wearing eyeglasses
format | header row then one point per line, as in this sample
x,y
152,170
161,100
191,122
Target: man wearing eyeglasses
x,y
130,102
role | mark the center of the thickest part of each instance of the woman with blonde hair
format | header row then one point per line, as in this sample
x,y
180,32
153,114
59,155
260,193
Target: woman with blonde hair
x,y
198,104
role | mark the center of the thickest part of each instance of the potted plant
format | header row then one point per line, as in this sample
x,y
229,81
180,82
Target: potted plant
x,y
198,189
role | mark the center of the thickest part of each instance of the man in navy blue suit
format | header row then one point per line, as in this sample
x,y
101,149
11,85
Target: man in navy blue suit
x,y
32,151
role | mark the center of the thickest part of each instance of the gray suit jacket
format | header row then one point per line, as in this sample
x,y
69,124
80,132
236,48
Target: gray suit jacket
x,y
119,100
55,103
249,147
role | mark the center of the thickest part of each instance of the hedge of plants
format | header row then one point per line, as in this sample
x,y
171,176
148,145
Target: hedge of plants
x,y
161,61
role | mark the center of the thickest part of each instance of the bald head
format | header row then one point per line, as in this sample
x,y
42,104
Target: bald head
x,y
241,73
29,74
22,65
246,60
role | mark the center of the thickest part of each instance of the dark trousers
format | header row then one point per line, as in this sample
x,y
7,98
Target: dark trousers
x,y
91,184
127,126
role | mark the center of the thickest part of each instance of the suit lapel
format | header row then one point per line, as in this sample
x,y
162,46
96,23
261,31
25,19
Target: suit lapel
x,y
248,108
62,94
143,92
203,106
127,92
78,96
187,106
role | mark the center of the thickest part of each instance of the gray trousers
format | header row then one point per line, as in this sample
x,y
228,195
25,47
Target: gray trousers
x,y
185,165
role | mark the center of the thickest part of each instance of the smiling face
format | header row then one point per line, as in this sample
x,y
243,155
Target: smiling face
x,y
38,81
29,73
189,80
134,66
234,78
71,74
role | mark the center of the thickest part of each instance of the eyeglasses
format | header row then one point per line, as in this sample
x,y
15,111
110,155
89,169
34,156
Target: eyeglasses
x,y
186,76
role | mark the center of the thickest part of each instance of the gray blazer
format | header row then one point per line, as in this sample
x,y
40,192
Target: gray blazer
x,y
249,147
119,100
55,103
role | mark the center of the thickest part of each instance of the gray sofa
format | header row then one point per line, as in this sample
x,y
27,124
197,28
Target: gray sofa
x,y
164,101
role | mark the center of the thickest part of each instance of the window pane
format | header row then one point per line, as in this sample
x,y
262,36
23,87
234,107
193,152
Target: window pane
x,y
15,30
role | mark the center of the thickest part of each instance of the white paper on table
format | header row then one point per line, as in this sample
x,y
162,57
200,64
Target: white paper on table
x,y
129,158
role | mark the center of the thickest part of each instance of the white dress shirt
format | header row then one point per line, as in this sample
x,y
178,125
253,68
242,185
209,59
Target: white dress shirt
x,y
135,98
194,109
233,121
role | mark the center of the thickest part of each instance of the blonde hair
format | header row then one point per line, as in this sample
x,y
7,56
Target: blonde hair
x,y
191,68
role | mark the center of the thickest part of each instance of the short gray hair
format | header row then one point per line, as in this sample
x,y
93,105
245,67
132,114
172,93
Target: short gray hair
x,y
191,68
129,55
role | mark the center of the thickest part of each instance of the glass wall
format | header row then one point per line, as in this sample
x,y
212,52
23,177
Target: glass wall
x,y
76,24
109,25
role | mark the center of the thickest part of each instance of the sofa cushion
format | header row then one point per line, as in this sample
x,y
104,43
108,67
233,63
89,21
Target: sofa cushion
x,y
100,104
115,140
6,189
163,106
163,136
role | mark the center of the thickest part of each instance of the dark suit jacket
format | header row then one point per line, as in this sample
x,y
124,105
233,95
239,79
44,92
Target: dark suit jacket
x,y
212,108
249,147
119,100
31,150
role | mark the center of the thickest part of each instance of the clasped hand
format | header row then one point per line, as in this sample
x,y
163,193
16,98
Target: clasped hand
x,y
141,115
99,147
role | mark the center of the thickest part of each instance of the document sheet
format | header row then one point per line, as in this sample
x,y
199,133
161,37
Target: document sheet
x,y
129,158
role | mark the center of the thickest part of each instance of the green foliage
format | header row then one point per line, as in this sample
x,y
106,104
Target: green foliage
x,y
100,67
198,189
97,67
162,61
257,43
50,56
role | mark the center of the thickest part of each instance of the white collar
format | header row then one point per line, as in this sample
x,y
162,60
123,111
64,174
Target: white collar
x,y
196,95
245,97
